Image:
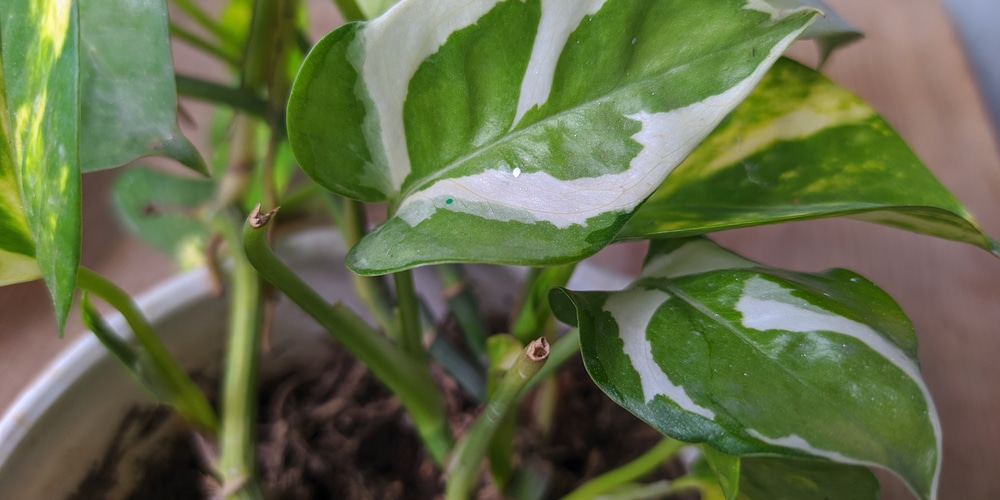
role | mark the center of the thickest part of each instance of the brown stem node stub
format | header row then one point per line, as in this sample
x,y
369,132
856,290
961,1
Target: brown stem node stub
x,y
257,219
538,349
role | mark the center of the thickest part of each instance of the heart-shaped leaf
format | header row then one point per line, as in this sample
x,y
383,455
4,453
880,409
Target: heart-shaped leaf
x,y
521,132
799,147
40,69
709,347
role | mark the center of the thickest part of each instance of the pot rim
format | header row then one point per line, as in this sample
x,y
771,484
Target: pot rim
x,y
175,294
85,352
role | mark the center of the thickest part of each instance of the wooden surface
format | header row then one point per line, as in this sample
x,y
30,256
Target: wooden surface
x,y
911,69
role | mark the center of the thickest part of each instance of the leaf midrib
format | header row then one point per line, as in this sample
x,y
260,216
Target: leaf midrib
x,y
708,313
440,173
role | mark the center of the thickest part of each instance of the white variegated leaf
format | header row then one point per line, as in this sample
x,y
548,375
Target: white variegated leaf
x,y
710,347
523,132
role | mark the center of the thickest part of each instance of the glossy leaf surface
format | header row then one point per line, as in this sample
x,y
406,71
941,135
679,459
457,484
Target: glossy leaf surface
x,y
799,147
521,132
128,95
40,68
709,347
17,247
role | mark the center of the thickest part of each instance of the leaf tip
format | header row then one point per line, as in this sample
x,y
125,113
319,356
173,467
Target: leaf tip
x,y
994,247
563,306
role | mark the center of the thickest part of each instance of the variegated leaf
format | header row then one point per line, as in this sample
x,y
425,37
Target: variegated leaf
x,y
17,247
710,347
799,147
521,132
40,69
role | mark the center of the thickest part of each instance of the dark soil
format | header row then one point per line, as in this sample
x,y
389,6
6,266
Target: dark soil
x,y
339,434
173,471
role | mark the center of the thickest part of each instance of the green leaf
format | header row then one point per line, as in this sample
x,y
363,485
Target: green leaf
x,y
40,67
726,469
17,247
773,478
831,31
520,132
767,478
801,148
128,94
375,8
709,347
283,165
133,359
163,209
533,312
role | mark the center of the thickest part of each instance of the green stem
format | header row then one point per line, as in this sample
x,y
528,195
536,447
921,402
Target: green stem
x,y
349,10
629,472
534,313
204,90
463,467
659,489
406,377
463,305
184,395
410,338
238,176
466,374
239,381
302,200
112,342
202,18
260,53
371,290
209,48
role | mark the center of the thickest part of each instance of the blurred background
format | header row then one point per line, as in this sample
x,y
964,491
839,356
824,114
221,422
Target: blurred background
x,y
930,67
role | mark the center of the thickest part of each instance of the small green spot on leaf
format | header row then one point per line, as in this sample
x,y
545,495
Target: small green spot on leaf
x,y
448,201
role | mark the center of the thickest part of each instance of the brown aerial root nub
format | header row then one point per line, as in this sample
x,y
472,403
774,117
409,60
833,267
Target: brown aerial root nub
x,y
538,349
257,219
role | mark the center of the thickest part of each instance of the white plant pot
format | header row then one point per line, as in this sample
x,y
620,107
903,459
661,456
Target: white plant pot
x,y
62,425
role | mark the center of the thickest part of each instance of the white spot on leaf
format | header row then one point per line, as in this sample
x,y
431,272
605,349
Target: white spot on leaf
x,y
666,137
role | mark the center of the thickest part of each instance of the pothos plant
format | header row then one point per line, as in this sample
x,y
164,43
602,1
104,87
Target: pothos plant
x,y
530,133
